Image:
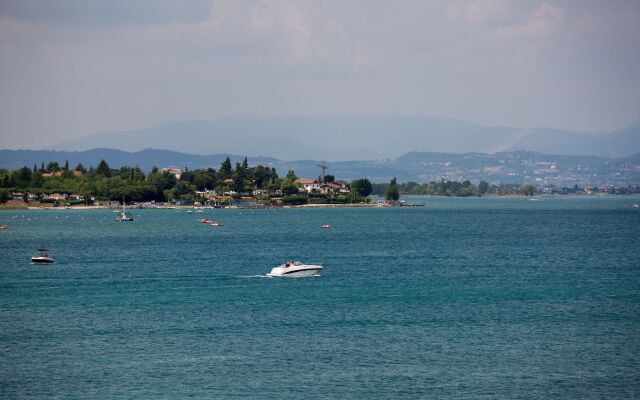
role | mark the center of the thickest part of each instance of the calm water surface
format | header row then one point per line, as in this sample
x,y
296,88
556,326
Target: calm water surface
x,y
462,298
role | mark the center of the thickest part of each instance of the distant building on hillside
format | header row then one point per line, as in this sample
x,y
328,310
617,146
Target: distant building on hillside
x,y
59,173
308,185
177,172
338,187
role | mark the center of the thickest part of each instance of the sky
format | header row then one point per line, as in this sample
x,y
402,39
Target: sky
x,y
70,68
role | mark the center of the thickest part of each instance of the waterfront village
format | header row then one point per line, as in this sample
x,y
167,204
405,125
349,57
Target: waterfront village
x,y
240,186
56,186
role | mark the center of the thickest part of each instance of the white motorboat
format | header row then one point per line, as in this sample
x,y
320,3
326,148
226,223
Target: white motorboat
x,y
42,257
296,269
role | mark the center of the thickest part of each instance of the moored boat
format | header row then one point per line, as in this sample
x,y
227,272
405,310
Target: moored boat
x,y
296,269
42,257
124,217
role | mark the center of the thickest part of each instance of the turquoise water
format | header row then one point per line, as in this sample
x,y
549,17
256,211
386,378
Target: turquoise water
x,y
462,298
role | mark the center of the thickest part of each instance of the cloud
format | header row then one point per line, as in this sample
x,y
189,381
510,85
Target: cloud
x,y
286,22
479,11
544,20
105,13
70,68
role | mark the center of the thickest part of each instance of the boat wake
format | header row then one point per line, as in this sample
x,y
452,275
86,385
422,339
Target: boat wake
x,y
272,276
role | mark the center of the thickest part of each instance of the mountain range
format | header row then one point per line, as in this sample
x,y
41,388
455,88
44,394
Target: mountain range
x,y
503,167
352,137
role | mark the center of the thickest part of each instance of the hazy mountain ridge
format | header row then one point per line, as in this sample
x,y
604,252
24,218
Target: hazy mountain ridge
x,y
145,159
503,167
349,137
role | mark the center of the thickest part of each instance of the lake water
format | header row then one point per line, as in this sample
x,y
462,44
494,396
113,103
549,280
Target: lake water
x,y
462,298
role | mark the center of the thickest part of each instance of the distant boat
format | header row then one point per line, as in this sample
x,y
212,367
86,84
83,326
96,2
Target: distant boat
x,y
204,220
636,205
295,269
124,217
326,226
3,226
42,257
215,223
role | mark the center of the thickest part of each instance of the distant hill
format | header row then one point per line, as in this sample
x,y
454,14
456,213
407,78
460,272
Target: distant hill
x,y
145,159
348,137
619,143
502,167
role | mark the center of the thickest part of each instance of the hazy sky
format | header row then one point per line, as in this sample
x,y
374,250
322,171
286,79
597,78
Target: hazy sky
x,y
70,68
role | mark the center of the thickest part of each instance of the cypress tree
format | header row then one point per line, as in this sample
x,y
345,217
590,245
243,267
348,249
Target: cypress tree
x,y
103,169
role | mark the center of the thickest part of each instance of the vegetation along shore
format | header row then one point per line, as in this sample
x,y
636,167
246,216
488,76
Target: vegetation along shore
x,y
53,185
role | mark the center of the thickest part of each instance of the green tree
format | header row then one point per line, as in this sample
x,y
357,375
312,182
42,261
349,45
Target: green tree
x,y
103,169
24,174
288,185
238,178
528,190
273,174
328,179
483,188
204,179
393,192
225,169
4,196
291,176
260,176
53,167
362,187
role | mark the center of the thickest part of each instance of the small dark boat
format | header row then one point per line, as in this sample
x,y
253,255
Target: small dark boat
x,y
42,257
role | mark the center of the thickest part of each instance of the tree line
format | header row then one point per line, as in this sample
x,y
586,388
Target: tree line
x,y
450,189
132,184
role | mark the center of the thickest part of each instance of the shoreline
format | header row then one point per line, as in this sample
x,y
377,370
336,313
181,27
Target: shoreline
x,y
373,204
336,205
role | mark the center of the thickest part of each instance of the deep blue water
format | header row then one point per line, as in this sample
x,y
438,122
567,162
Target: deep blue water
x,y
463,298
